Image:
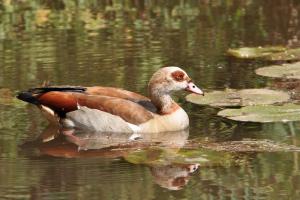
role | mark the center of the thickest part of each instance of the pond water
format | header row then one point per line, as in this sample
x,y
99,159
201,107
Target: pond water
x,y
121,44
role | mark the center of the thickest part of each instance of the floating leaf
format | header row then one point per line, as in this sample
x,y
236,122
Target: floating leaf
x,y
291,71
266,53
246,97
254,52
288,55
264,113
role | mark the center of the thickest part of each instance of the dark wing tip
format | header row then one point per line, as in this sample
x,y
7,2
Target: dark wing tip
x,y
28,97
64,88
31,95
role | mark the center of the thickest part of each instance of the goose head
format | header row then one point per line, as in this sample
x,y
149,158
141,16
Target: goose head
x,y
167,80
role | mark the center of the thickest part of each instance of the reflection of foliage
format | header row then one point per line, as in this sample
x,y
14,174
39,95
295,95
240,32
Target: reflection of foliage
x,y
156,156
50,39
11,129
249,181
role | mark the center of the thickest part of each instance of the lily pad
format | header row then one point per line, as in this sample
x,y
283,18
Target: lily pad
x,y
264,113
255,52
276,53
288,55
290,71
246,97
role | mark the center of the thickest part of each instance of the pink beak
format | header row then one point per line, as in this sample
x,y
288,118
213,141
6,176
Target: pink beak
x,y
194,89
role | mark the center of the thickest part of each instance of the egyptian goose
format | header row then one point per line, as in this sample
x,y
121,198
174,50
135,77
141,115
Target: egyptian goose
x,y
116,110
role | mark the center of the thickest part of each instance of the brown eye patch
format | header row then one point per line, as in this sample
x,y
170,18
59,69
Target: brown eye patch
x,y
178,75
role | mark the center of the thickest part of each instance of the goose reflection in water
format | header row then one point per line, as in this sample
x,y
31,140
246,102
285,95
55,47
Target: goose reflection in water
x,y
158,151
173,176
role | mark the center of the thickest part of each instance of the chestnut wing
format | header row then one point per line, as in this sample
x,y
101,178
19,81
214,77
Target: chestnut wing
x,y
63,102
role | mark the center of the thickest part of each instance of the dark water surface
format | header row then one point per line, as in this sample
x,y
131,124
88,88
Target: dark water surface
x,y
122,44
